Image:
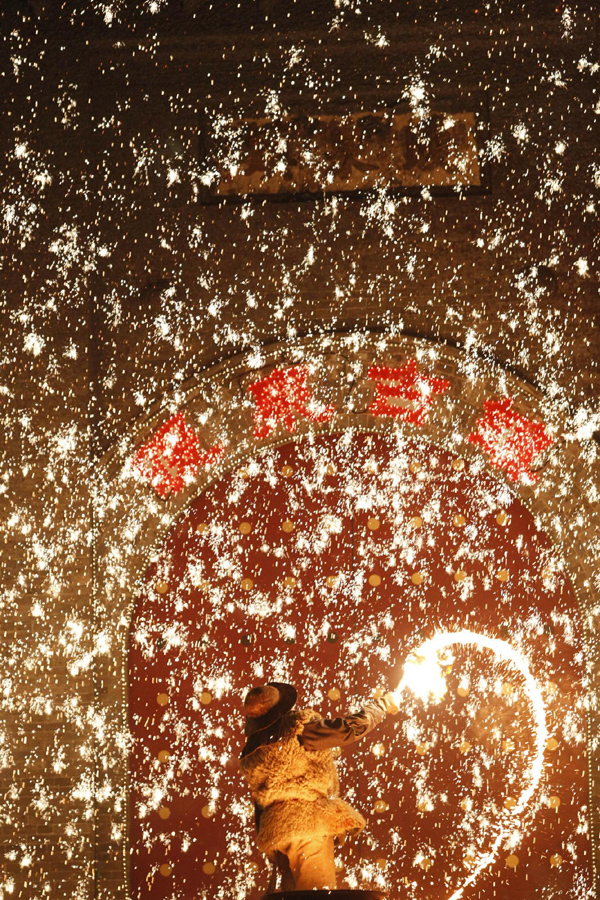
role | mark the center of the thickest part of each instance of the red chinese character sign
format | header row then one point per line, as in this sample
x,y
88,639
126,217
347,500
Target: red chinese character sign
x,y
173,456
404,393
511,440
283,396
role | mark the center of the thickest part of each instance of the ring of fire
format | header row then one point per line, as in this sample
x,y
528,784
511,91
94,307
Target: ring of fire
x,y
425,674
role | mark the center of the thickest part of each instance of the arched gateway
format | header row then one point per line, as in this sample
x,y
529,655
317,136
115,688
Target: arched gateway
x,y
314,521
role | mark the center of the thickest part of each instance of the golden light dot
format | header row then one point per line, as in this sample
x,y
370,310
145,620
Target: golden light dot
x,y
374,580
422,749
165,869
201,528
334,693
331,469
205,697
502,575
416,521
162,699
502,518
423,806
551,687
417,578
462,690
245,527
289,582
554,802
380,806
243,473
378,750
508,746
247,584
460,575
546,574
332,580
382,863
507,690
510,803
287,526
162,587
164,812
207,812
163,756
464,804
458,464
426,863
459,520
286,471
208,868
556,860
415,467
373,524
512,861
203,585
551,744
378,693
464,746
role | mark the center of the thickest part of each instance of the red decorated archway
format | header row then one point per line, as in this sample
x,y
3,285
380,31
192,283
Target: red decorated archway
x,y
324,562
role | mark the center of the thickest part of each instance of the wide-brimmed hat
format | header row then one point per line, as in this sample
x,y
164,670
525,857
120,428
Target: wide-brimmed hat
x,y
267,703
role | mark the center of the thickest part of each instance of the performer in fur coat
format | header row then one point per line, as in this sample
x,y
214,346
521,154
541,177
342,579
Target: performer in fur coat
x,y
288,764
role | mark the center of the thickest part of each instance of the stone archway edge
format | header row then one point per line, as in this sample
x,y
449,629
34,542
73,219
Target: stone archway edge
x,y
131,519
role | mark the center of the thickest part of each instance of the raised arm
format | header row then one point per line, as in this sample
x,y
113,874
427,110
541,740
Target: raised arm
x,y
347,729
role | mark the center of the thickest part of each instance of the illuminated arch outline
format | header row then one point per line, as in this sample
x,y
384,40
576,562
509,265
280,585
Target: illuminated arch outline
x,y
129,508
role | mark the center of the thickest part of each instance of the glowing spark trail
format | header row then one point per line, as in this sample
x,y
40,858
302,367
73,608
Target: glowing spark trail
x,y
423,675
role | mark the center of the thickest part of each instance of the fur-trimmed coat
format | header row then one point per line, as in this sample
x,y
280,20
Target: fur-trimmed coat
x,y
297,790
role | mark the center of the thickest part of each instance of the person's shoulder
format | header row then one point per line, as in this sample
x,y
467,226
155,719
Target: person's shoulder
x,y
292,723
297,719
308,715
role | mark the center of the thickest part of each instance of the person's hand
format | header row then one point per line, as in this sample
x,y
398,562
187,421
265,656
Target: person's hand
x,y
391,702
